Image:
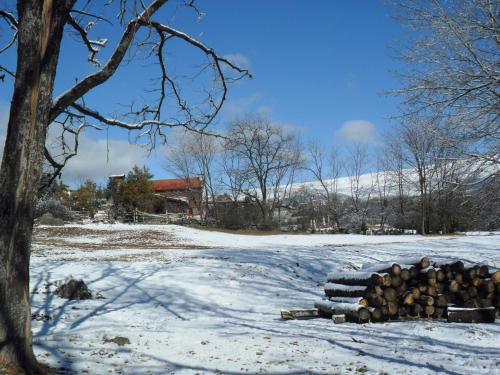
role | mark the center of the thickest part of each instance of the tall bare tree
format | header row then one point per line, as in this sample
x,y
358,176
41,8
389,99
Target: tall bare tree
x,y
269,155
326,169
191,154
454,71
394,162
37,29
357,164
419,142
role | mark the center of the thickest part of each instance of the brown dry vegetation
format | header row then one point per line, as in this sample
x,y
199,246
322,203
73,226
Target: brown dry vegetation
x,y
92,240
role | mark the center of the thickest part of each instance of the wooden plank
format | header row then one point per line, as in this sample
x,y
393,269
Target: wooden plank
x,y
299,314
471,315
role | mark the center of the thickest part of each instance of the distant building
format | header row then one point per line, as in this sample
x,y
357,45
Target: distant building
x,y
181,195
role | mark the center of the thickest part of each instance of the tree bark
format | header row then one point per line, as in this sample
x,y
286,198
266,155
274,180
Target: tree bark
x,y
40,31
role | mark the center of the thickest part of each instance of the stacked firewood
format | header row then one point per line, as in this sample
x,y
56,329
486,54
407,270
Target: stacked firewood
x,y
415,288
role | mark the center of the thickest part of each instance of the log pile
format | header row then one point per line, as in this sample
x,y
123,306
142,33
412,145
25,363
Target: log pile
x,y
414,288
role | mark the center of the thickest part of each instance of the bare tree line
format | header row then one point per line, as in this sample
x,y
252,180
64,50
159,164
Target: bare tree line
x,y
265,177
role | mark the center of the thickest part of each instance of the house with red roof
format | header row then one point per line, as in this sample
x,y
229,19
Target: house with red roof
x,y
181,195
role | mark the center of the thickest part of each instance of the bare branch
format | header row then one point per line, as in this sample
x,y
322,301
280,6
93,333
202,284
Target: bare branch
x,y
97,78
10,18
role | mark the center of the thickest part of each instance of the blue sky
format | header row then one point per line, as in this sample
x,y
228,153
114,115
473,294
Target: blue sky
x,y
319,66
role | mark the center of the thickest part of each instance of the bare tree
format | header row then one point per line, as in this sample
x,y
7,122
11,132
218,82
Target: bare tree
x,y
454,71
37,31
357,164
326,169
191,154
419,152
269,155
395,163
383,185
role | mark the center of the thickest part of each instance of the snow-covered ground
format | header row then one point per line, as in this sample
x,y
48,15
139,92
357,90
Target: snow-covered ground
x,y
193,301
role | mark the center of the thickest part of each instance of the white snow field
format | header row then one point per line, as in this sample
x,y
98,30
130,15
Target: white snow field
x,y
201,302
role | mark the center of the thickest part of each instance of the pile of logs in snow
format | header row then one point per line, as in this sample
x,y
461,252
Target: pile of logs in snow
x,y
417,289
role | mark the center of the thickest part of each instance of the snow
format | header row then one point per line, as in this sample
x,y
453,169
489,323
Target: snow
x,y
193,301
349,275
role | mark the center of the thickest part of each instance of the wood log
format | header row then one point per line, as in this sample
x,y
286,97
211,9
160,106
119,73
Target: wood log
x,y
405,274
459,278
476,281
380,279
425,300
472,290
424,262
440,275
463,295
374,290
340,290
375,314
392,268
337,307
402,288
428,272
408,299
416,309
396,266
356,300
471,303
487,286
431,291
351,278
387,281
429,311
439,312
441,301
454,286
299,314
485,302
469,273
413,272
390,310
432,282
457,266
396,281
451,298
495,277
449,276
403,311
360,316
476,315
377,301
440,288
390,294
353,312
416,292
483,271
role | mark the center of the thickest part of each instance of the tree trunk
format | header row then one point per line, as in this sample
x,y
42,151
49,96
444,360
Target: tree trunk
x,y
40,32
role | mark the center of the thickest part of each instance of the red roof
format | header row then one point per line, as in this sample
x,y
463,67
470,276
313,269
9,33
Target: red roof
x,y
177,184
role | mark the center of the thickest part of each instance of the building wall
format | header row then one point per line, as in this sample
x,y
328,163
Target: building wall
x,y
194,197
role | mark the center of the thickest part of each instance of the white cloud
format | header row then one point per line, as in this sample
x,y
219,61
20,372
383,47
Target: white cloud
x,y
92,159
360,131
98,158
235,108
